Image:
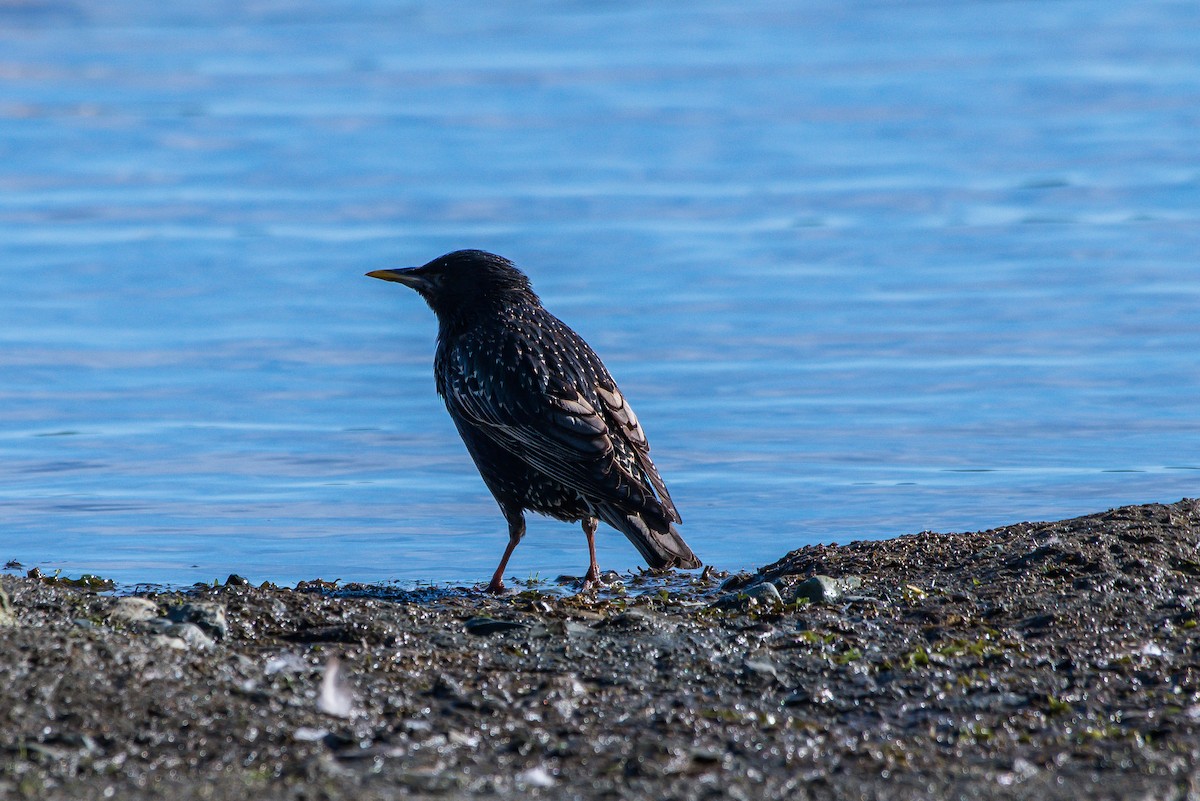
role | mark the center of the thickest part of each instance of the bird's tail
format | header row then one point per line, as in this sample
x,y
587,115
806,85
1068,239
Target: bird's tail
x,y
654,537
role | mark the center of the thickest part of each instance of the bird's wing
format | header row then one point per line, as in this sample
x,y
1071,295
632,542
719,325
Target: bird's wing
x,y
593,445
636,458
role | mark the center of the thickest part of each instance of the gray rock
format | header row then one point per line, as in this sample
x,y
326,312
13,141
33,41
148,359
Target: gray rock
x,y
191,635
824,589
174,643
759,595
739,581
567,628
7,618
205,614
132,610
577,630
765,593
484,626
635,618
760,667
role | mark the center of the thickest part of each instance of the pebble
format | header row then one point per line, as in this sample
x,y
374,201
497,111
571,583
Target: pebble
x,y
7,618
738,581
825,589
764,594
308,734
535,777
133,610
761,667
174,643
205,614
336,698
191,635
484,626
286,663
636,619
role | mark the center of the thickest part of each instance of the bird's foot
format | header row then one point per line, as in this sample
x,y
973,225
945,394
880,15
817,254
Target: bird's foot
x,y
600,581
496,588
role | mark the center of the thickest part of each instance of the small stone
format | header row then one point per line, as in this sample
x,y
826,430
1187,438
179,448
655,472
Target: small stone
x,y
761,667
205,614
448,689
707,755
825,589
335,699
535,777
577,630
191,635
286,663
764,594
484,626
633,619
308,734
174,643
132,610
7,618
738,581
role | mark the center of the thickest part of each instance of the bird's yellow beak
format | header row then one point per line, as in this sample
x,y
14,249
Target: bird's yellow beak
x,y
409,276
387,275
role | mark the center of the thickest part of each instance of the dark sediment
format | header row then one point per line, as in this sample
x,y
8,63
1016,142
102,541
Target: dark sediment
x,y
1040,660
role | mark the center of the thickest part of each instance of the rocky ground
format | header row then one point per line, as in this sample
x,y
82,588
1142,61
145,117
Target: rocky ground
x,y
1040,660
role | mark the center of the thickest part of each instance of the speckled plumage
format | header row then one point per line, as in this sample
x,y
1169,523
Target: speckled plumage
x,y
544,421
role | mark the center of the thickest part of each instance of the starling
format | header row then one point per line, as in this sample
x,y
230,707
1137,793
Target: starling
x,y
539,413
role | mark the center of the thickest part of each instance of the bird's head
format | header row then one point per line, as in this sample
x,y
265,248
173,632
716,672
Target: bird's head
x,y
463,283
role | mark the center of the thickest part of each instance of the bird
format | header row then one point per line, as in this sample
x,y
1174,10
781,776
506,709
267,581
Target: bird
x,y
539,413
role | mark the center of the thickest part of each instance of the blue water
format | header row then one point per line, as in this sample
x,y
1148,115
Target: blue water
x,y
864,268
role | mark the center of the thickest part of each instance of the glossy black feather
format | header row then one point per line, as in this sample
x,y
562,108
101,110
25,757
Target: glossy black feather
x,y
539,413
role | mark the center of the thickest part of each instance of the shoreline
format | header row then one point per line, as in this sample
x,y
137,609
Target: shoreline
x,y
1040,660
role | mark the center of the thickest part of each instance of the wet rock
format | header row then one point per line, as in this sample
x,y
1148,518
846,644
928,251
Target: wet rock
x,y
739,581
1038,624
765,594
760,667
357,631
486,626
824,589
635,619
235,580
130,610
448,689
576,630
173,643
205,614
537,777
191,635
286,663
308,734
817,696
335,698
7,618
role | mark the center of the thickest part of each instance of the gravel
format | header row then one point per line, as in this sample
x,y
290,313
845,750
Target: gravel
x,y
1039,660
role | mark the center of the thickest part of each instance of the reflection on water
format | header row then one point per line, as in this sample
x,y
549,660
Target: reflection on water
x,y
863,269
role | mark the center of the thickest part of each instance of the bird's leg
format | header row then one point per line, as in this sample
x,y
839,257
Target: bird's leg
x,y
589,531
516,530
